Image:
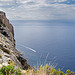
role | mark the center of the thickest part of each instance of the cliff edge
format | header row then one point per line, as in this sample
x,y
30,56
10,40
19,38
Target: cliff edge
x,y
8,53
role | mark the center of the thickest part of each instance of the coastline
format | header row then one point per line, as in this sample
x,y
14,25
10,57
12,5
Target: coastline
x,y
8,51
9,55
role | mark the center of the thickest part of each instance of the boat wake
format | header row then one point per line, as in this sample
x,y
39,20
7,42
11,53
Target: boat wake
x,y
28,48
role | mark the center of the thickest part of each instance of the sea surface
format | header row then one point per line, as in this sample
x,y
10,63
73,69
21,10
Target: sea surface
x,y
46,42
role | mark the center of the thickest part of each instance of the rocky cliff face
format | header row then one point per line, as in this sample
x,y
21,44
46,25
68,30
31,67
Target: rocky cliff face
x,y
8,53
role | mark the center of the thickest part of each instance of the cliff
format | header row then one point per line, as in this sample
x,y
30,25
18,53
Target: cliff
x,y
8,52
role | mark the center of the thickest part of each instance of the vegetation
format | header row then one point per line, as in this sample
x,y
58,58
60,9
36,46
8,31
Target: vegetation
x,y
9,70
43,70
48,71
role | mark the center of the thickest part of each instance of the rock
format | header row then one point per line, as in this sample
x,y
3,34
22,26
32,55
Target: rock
x,y
4,64
8,52
23,72
7,55
0,66
24,63
1,61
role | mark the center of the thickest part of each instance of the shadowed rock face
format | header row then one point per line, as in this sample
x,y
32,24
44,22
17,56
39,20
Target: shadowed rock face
x,y
24,63
8,52
4,20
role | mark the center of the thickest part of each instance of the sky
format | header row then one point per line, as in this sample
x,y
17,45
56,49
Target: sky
x,y
38,9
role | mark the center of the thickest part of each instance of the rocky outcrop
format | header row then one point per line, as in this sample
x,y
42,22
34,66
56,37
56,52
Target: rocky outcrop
x,y
8,53
5,21
6,26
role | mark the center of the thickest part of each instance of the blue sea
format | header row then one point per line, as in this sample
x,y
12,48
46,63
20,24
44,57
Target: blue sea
x,y
46,42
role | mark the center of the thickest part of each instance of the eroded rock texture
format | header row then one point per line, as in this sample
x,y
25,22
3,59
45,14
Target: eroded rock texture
x,y
8,52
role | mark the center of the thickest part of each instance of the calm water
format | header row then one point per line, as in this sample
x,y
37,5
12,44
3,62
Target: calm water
x,y
46,42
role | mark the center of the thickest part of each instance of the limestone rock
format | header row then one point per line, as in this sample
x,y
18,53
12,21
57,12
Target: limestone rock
x,y
8,52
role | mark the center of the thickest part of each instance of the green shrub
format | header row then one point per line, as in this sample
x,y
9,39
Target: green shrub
x,y
18,72
9,70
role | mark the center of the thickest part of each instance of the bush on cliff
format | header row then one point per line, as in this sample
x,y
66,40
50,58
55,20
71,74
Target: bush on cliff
x,y
9,70
47,70
43,70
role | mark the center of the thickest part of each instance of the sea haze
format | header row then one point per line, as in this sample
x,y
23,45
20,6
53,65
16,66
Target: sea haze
x,y
43,42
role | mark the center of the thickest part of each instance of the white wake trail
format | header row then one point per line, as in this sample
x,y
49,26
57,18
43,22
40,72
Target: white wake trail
x,y
28,48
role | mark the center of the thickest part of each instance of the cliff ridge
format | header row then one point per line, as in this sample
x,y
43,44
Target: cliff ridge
x,y
8,52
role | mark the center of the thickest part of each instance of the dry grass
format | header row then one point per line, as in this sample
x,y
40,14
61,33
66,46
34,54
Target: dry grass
x,y
47,70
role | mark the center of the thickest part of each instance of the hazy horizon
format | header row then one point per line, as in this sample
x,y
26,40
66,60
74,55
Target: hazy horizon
x,y
38,9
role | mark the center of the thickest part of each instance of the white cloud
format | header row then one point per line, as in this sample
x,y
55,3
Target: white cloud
x,y
37,9
60,0
5,0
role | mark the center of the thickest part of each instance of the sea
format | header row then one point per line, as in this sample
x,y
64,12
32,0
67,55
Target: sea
x,y
46,42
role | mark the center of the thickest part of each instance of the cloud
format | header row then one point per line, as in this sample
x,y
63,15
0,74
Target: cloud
x,y
38,9
60,0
